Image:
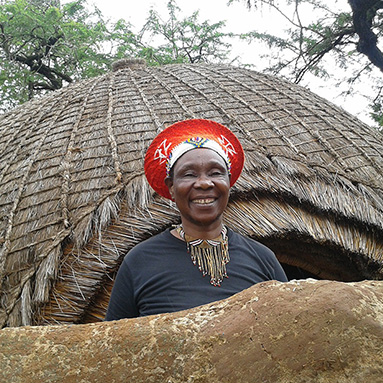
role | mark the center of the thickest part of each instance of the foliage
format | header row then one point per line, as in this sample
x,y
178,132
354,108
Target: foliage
x,y
325,38
174,40
45,45
185,40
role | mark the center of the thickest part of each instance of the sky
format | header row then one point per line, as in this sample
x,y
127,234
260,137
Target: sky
x,y
238,19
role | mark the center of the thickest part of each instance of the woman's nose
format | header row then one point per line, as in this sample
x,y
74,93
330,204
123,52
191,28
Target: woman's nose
x,y
203,181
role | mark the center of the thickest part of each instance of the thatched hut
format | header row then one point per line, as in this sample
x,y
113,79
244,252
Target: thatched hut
x,y
74,199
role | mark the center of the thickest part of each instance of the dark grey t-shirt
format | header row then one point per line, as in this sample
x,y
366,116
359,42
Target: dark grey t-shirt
x,y
158,276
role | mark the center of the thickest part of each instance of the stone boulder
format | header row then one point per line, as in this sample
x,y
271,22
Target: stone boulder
x,y
300,331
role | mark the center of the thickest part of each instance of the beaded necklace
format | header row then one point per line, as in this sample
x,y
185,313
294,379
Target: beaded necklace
x,y
210,255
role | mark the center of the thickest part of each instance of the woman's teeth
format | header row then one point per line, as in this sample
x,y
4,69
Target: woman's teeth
x,y
204,201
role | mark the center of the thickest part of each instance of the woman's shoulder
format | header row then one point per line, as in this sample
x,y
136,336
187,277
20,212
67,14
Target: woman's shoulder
x,y
239,239
164,235
158,243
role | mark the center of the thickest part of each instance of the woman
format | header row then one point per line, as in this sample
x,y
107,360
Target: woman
x,y
194,163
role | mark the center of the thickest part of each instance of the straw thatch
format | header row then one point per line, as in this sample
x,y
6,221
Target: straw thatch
x,y
74,199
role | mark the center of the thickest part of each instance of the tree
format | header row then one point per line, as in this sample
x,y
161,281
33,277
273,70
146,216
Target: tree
x,y
45,45
184,40
174,40
347,37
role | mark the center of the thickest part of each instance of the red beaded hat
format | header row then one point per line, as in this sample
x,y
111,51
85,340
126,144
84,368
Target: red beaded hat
x,y
177,139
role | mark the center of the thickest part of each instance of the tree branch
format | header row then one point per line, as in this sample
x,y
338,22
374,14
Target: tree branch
x,y
363,13
37,66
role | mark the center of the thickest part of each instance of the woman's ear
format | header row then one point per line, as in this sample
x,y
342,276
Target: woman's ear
x,y
169,184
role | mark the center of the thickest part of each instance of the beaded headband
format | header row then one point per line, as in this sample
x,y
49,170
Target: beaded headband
x,y
195,143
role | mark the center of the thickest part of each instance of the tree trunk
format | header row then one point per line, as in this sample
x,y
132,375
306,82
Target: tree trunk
x,y
301,331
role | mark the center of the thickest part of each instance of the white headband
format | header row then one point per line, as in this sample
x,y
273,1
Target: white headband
x,y
195,143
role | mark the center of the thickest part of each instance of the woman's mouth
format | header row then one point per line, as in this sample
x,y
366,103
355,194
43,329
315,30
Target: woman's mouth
x,y
203,201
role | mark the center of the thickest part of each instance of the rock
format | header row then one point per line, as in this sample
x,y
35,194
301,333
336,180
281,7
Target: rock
x,y
300,331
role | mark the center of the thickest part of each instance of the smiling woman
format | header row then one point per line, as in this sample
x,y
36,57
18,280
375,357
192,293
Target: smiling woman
x,y
200,187
194,163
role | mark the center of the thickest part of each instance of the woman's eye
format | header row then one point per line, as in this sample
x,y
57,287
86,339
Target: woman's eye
x,y
217,173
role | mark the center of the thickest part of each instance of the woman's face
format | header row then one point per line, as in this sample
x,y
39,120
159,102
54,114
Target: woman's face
x,y
200,188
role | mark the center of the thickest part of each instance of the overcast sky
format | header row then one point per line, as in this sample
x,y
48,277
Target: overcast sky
x,y
238,19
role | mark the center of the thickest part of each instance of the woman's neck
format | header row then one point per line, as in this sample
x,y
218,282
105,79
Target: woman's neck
x,y
203,232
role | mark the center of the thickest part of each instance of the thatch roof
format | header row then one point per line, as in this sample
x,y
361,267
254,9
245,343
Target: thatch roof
x,y
74,198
